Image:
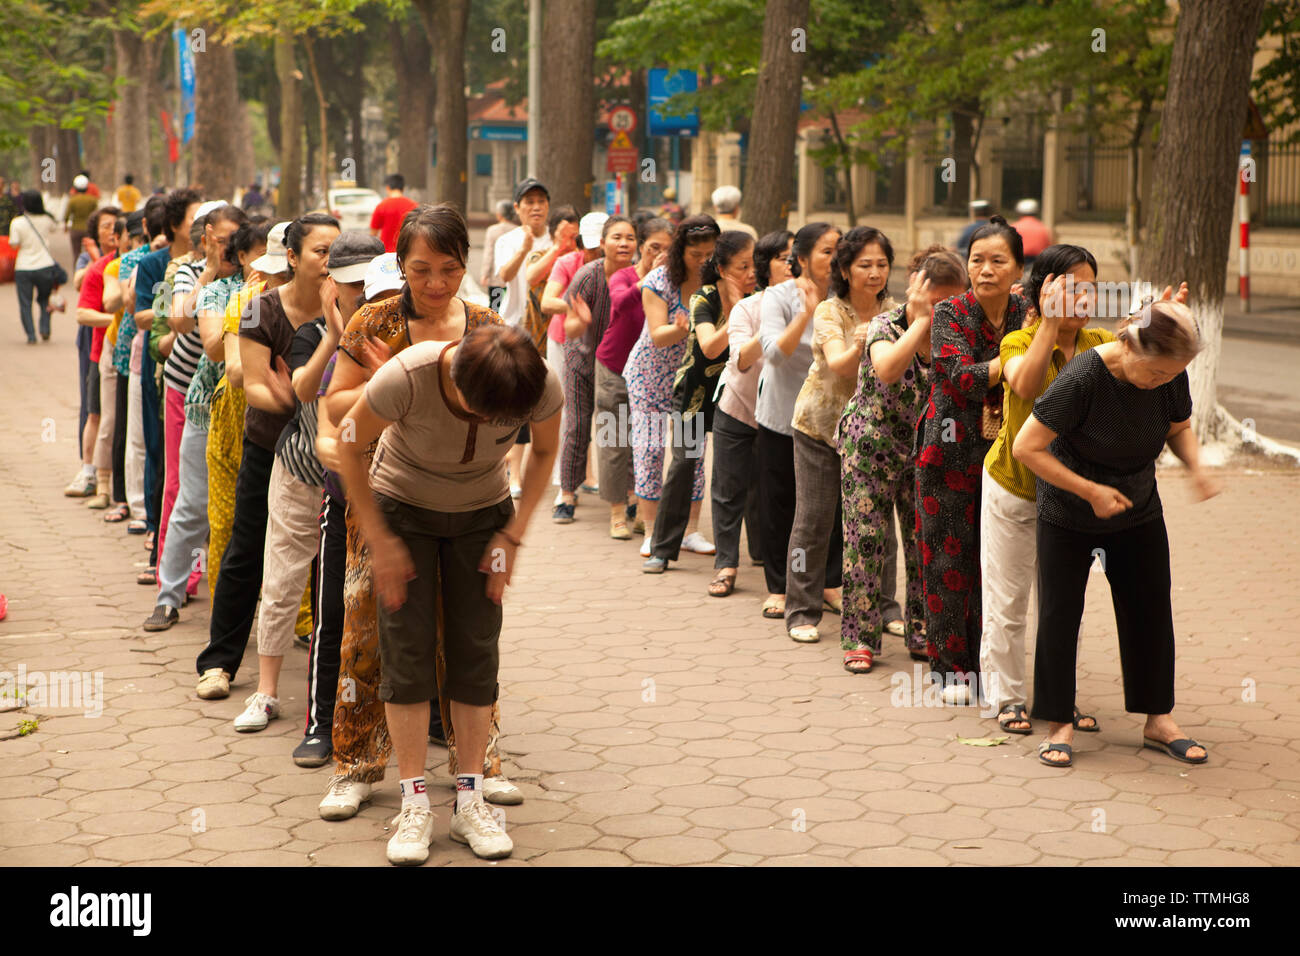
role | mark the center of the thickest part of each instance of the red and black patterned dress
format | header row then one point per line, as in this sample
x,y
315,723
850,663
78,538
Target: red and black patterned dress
x,y
949,465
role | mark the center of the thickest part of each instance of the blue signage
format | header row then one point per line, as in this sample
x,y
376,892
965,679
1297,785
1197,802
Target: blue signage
x,y
663,85
186,59
513,133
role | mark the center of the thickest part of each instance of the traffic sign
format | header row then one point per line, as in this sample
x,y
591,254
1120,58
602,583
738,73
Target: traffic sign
x,y
621,156
662,85
622,119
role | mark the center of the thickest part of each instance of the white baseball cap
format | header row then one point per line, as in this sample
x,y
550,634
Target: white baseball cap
x,y
382,275
590,227
1027,207
276,258
80,182
208,206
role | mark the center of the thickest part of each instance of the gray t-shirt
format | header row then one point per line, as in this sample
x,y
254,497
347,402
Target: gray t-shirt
x,y
431,456
783,375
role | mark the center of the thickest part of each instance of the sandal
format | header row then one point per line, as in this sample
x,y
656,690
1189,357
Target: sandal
x,y
835,607
147,576
1176,748
1011,714
896,628
804,634
774,609
1087,730
117,513
858,661
722,584
149,540
1044,748
137,527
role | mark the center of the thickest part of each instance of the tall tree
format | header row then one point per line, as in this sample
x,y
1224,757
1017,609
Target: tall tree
x,y
445,22
289,200
412,56
136,58
769,175
1195,173
567,138
216,101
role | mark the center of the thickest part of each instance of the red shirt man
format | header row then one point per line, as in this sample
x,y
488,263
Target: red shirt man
x,y
386,220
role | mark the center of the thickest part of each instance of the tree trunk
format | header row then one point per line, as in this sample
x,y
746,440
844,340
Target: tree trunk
x,y
1195,175
637,98
216,119
290,199
444,23
566,137
845,164
323,105
135,59
41,148
413,56
1133,210
769,175
69,157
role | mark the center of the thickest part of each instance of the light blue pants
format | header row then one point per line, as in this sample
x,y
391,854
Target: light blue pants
x,y
187,528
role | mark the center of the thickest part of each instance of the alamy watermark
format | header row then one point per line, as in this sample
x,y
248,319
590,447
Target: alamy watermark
x,y
56,690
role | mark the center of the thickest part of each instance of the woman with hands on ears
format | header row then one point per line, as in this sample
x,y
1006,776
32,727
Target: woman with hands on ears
x,y
1093,441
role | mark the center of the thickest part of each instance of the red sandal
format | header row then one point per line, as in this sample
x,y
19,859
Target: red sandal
x,y
853,660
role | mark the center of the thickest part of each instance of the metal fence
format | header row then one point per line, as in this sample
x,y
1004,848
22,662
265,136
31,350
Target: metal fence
x,y
1096,178
1277,182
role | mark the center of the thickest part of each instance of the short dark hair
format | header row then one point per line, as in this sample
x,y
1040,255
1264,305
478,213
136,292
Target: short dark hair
x,y
227,212
730,244
805,240
559,214
251,233
178,200
92,224
650,225
1055,261
499,372
441,226
847,251
766,249
155,215
613,221
395,181
997,227
300,227
32,202
690,232
941,266
128,179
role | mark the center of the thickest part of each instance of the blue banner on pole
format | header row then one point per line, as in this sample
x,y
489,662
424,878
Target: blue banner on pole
x,y
661,86
186,59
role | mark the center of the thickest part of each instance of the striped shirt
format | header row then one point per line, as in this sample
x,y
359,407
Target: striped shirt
x,y
296,448
187,349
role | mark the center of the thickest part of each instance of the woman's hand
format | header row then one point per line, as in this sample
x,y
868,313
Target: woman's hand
x,y
391,567
329,304
1051,300
1107,501
374,354
808,288
498,563
280,384
1180,296
1204,484
860,332
682,320
327,450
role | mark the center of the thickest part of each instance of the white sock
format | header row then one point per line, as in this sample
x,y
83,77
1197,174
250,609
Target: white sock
x,y
469,789
414,791
88,471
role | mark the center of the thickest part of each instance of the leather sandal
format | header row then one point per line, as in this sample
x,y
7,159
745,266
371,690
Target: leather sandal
x,y
722,584
858,661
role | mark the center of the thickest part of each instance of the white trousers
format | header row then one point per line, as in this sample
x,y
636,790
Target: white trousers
x,y
135,432
1009,566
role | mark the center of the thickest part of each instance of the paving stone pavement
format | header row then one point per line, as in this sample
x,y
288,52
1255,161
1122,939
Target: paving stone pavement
x,y
646,722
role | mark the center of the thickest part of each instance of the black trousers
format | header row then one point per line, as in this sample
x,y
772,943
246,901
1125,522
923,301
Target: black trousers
x,y
119,437
674,512
733,489
776,501
327,604
240,580
1136,562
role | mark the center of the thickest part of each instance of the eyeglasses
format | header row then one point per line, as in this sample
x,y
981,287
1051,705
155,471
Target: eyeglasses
x,y
698,230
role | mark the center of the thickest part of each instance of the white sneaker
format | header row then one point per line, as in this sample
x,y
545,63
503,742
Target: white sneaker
x,y
343,798
502,791
646,546
475,825
698,544
957,695
409,846
259,710
214,684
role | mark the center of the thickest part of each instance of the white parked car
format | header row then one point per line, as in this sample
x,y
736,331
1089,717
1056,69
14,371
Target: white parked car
x,y
352,206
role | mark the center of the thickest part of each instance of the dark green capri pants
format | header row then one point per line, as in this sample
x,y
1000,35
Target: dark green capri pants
x,y
445,548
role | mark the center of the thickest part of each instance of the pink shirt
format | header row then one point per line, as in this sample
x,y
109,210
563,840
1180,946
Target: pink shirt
x,y
563,272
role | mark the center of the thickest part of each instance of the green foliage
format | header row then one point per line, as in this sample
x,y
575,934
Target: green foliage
x,y
54,66
1276,86
26,727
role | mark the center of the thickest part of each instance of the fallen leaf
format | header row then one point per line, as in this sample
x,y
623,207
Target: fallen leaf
x,y
981,741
